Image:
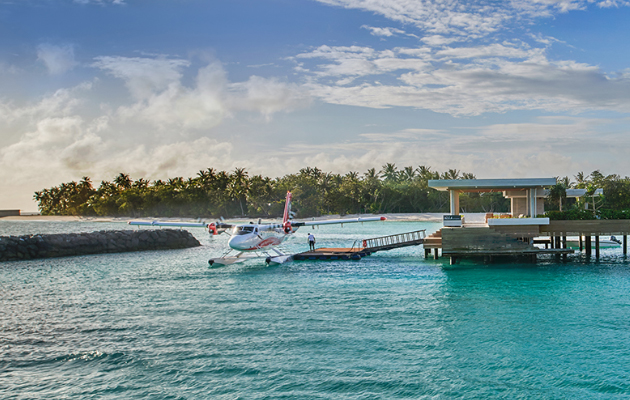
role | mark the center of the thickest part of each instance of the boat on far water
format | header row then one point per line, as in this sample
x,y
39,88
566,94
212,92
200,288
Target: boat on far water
x,y
574,242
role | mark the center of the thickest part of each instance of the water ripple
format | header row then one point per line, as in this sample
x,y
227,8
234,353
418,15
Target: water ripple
x,y
163,325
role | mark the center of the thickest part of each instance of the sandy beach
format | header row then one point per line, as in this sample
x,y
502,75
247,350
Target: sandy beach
x,y
409,217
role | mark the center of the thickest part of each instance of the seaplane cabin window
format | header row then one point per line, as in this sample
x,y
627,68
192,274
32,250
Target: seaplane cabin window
x,y
242,230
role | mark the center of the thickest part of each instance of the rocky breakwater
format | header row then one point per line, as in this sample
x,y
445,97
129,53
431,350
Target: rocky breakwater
x,y
74,244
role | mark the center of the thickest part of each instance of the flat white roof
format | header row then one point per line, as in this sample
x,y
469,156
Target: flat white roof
x,y
582,192
489,184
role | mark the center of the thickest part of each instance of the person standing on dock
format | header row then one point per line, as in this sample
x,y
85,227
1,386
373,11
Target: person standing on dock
x,y
311,241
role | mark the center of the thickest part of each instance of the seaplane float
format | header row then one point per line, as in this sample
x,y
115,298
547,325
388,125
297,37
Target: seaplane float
x,y
256,240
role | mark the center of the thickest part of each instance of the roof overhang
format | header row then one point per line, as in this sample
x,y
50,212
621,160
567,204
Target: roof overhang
x,y
490,184
581,192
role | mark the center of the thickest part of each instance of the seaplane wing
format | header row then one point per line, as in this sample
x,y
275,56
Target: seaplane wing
x,y
337,221
214,227
159,223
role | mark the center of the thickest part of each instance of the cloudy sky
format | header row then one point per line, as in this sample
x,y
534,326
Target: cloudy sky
x,y
157,89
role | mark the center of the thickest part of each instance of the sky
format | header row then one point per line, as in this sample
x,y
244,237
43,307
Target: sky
x,y
159,89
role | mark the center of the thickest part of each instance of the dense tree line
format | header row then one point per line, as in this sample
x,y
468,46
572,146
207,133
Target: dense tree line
x,y
213,193
614,203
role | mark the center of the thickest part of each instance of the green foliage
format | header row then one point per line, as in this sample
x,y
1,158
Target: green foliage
x,y
576,214
614,214
573,214
558,193
214,193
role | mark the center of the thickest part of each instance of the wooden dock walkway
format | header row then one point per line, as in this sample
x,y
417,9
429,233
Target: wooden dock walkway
x,y
325,253
364,247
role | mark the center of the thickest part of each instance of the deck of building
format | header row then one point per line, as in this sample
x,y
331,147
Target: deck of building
x,y
476,241
515,235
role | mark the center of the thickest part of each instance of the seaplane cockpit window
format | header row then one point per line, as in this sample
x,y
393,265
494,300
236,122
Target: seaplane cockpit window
x,y
242,230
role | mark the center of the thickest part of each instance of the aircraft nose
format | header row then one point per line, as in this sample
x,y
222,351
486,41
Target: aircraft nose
x,y
238,242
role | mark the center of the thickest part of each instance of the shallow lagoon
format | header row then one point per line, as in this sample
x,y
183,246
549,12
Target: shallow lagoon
x,y
393,325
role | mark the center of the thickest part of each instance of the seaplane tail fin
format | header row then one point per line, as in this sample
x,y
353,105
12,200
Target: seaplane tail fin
x,y
287,209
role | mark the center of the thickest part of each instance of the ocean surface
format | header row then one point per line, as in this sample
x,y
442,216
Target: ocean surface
x,y
164,325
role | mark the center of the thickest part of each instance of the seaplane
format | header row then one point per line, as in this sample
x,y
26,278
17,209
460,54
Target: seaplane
x,y
257,240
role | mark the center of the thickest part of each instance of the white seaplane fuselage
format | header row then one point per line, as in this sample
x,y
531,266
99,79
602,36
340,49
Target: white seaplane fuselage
x,y
254,237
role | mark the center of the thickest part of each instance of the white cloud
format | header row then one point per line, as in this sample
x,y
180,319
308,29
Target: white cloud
x,y
164,101
544,147
493,50
613,3
57,59
61,103
385,32
142,75
60,138
66,148
463,80
267,96
439,40
471,18
172,104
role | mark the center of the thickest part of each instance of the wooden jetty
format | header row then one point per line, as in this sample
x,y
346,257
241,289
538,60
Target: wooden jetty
x,y
365,247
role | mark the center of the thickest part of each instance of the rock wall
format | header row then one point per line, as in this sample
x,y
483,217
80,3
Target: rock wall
x,y
74,244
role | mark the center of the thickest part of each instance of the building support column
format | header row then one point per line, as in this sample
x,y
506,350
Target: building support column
x,y
528,202
596,246
454,194
564,242
625,245
435,254
587,244
532,203
581,243
427,253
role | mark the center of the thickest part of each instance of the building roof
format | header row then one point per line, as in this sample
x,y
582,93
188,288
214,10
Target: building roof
x,y
490,184
582,192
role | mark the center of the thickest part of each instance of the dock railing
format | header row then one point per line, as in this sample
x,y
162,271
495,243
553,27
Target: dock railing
x,y
392,241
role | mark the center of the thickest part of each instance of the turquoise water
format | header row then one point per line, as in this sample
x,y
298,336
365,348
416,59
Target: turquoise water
x,y
163,325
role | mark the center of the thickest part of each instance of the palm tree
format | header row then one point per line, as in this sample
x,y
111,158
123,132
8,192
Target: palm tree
x,y
206,178
580,180
566,182
141,184
123,181
238,187
390,173
313,173
371,174
407,174
451,174
557,193
176,183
